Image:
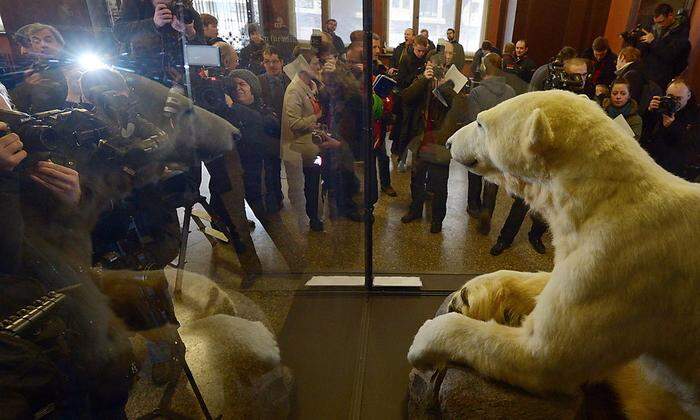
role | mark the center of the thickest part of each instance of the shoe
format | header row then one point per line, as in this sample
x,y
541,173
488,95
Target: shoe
x,y
401,167
436,227
388,190
251,225
411,216
537,245
484,226
473,212
316,225
498,248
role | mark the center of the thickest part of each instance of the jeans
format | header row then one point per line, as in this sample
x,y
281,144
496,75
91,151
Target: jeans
x,y
515,219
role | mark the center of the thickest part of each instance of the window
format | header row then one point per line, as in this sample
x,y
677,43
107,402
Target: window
x,y
399,18
308,17
436,16
348,13
472,20
232,16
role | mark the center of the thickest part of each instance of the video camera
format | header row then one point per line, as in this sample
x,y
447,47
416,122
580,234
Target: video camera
x,y
558,78
70,136
632,36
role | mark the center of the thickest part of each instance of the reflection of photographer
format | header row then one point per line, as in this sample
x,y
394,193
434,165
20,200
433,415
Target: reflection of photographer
x,y
149,28
665,48
674,139
431,124
45,247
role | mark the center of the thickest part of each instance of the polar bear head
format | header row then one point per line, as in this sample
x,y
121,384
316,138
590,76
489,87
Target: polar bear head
x,y
538,136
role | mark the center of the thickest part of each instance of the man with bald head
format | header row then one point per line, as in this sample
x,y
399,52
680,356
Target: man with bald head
x,y
674,139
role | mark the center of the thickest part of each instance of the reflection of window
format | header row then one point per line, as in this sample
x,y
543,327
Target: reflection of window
x,y
232,16
348,13
470,30
308,17
399,18
437,16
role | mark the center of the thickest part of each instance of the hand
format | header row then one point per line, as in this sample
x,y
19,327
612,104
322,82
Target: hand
x,y
178,25
359,67
647,38
162,16
392,71
667,120
11,153
428,73
190,31
654,103
328,66
63,182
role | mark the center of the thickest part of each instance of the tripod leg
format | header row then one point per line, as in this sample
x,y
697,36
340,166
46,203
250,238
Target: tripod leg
x,y
182,257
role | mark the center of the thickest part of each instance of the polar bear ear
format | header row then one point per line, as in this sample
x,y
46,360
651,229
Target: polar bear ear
x,y
538,132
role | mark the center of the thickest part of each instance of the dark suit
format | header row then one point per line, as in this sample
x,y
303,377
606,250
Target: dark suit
x,y
273,89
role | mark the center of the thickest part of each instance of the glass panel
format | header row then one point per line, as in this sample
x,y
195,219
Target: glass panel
x,y
472,19
436,16
308,17
399,18
348,13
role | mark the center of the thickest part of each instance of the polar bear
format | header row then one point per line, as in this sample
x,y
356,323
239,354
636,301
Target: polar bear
x,y
626,279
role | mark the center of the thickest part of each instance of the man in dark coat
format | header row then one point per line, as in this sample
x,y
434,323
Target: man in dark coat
x,y
666,48
251,56
338,44
402,50
522,65
604,61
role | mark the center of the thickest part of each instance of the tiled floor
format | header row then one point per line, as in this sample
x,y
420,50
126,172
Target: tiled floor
x,y
346,350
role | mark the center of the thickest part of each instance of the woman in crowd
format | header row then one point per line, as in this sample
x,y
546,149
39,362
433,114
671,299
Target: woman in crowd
x,y
259,133
621,103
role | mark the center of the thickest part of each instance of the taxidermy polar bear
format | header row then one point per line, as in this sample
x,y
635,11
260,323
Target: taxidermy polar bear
x,y
623,295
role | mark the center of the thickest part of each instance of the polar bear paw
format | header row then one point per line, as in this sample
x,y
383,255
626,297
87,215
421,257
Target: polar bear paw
x,y
432,346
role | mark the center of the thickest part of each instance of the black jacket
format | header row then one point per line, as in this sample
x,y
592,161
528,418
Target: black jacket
x,y
338,44
677,147
667,56
251,58
523,67
398,53
603,71
410,68
273,95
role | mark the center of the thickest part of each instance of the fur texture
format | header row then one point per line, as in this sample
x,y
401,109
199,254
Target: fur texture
x,y
626,271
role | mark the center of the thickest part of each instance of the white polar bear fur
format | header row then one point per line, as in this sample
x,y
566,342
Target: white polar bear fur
x,y
626,275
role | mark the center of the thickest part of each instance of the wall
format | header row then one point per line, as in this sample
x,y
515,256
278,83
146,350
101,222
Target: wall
x,y
548,25
618,18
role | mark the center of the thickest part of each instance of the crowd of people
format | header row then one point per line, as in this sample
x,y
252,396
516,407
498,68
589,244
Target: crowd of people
x,y
300,127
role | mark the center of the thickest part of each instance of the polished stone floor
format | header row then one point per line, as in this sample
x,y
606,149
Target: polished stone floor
x,y
345,349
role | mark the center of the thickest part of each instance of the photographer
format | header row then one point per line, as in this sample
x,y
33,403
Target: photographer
x,y
674,138
666,47
45,84
544,72
432,123
492,91
45,247
148,28
604,61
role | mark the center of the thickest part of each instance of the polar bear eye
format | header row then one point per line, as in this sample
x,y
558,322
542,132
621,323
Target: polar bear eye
x,y
478,124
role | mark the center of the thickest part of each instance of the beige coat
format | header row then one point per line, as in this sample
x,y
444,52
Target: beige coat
x,y
298,120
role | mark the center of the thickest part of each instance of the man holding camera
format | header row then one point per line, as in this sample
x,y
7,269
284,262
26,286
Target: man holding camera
x,y
666,47
435,118
147,28
674,139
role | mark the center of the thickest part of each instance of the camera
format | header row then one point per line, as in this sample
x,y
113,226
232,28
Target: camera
x,y
184,13
633,35
558,78
318,135
72,136
668,105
